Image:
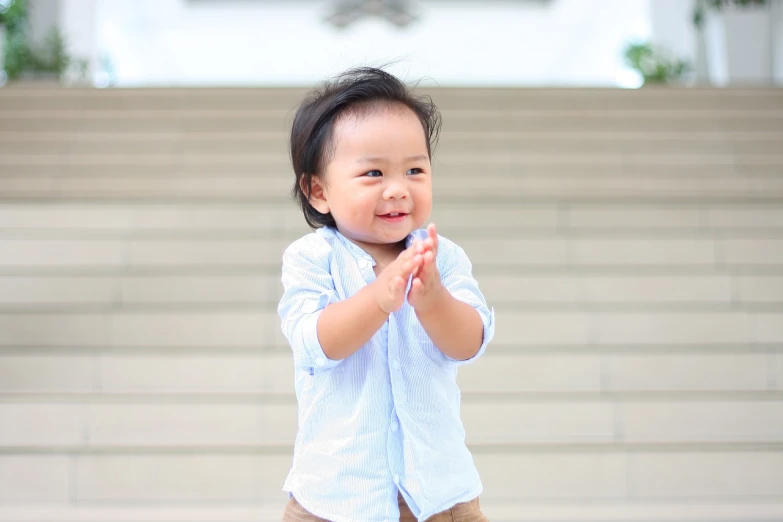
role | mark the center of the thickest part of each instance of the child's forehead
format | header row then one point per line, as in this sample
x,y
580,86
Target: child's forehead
x,y
363,127
380,138
372,113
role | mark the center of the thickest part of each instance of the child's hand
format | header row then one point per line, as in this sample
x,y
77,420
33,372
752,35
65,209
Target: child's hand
x,y
426,287
391,283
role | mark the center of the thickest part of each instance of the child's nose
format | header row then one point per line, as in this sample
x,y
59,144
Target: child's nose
x,y
395,190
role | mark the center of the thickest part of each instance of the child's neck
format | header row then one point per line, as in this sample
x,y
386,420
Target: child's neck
x,y
385,254
382,253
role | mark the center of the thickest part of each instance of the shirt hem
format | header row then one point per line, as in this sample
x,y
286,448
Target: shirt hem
x,y
465,497
322,514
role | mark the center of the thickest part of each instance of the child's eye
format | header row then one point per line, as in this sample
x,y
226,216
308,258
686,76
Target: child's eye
x,y
373,174
414,171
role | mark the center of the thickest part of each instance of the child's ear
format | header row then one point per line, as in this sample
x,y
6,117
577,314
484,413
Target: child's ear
x,y
317,194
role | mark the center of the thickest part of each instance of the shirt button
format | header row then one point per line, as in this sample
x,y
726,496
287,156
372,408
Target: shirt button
x,y
320,361
396,479
363,263
395,426
396,365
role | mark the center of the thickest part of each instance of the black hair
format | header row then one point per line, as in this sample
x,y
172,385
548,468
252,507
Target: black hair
x,y
311,141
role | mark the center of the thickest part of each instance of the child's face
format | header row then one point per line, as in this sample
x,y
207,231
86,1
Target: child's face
x,y
378,185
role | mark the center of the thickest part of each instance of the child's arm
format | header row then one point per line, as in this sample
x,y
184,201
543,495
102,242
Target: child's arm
x,y
454,327
449,305
346,326
321,328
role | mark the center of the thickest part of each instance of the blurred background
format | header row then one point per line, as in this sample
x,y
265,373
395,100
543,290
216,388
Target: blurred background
x,y
612,167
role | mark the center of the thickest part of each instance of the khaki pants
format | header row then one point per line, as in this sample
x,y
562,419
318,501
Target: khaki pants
x,y
462,512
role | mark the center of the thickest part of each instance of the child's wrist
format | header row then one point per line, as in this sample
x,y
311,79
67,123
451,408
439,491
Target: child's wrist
x,y
431,306
376,294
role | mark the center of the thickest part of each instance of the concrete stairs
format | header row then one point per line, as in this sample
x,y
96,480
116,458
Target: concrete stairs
x,y
631,243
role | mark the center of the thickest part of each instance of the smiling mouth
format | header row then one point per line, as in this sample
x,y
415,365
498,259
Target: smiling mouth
x,y
394,216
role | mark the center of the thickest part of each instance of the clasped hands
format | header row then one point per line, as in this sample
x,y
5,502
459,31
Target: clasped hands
x,y
419,261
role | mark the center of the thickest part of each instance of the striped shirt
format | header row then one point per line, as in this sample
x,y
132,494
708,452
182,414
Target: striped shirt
x,y
386,418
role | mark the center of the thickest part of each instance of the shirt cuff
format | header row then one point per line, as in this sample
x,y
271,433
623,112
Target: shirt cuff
x,y
316,359
488,321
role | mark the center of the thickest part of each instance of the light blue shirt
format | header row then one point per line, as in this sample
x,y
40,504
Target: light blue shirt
x,y
387,417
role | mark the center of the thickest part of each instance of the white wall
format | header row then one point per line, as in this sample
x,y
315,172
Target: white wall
x,y
671,28
671,24
79,23
777,40
44,16
491,42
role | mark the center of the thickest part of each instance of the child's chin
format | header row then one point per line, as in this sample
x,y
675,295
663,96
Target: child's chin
x,y
391,239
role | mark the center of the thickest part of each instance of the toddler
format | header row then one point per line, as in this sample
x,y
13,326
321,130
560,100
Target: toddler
x,y
379,313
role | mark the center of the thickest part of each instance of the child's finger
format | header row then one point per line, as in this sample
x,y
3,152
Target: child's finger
x,y
432,232
407,253
411,265
426,267
416,286
398,286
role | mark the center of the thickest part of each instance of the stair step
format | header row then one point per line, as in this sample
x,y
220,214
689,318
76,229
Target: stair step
x,y
653,372
474,121
656,291
607,250
185,218
631,242
533,142
30,96
563,476
719,511
488,187
243,328
159,421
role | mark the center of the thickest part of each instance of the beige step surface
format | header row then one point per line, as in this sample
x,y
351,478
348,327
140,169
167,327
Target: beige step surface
x,y
450,143
610,251
759,511
116,421
240,120
221,326
749,97
524,187
631,243
188,218
706,372
546,474
656,292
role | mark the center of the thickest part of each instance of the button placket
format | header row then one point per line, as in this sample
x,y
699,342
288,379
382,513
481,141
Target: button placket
x,y
398,386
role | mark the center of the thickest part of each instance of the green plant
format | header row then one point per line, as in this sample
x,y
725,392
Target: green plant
x,y
5,5
13,15
702,6
654,65
17,54
52,56
21,56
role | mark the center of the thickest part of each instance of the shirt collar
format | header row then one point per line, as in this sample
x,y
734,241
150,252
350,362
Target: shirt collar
x,y
419,233
358,252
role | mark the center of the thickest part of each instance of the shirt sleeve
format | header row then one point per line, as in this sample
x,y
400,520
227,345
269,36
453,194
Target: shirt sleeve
x,y
308,288
456,273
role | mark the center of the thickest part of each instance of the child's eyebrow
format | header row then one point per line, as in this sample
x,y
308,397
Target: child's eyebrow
x,y
377,159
